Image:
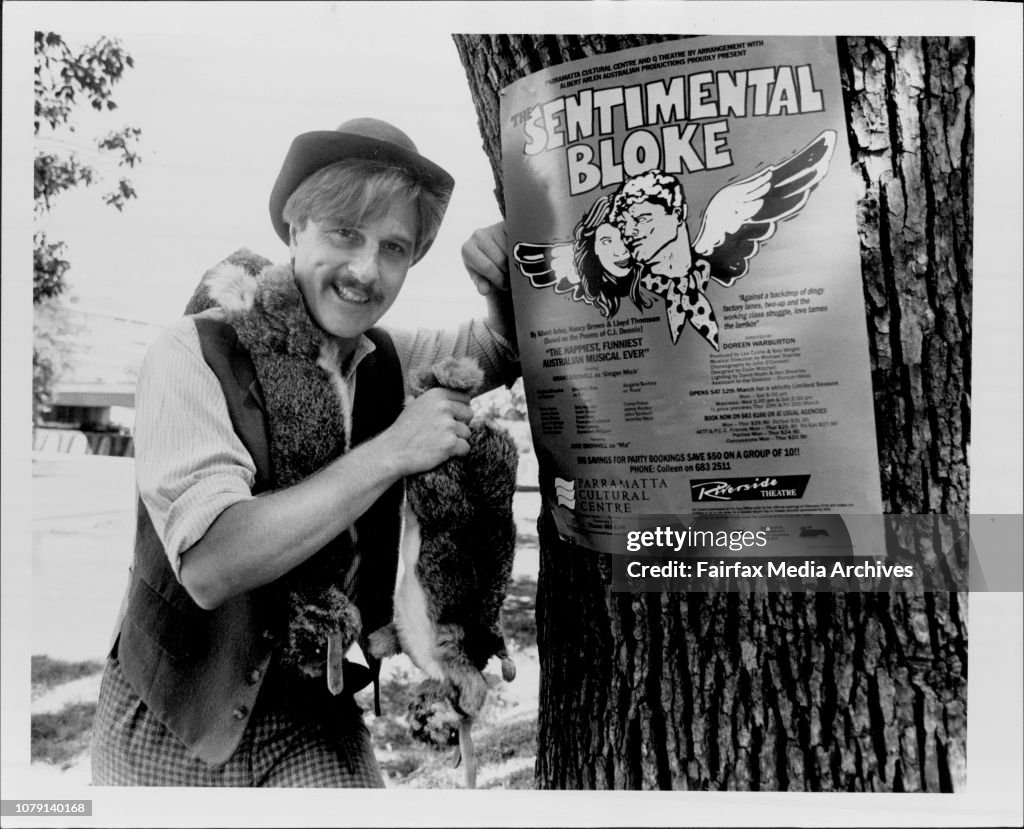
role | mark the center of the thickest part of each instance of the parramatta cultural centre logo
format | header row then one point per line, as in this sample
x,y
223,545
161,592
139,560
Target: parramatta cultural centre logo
x,y
565,492
758,488
606,495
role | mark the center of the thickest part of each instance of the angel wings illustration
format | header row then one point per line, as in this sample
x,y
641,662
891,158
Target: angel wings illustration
x,y
638,238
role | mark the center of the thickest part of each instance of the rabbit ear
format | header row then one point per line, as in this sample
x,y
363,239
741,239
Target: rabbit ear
x,y
422,380
230,284
335,663
458,373
231,287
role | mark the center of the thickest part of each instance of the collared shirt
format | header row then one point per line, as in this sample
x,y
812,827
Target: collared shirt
x,y
190,465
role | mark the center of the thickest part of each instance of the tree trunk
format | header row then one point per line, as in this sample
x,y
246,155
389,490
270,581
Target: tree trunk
x,y
794,691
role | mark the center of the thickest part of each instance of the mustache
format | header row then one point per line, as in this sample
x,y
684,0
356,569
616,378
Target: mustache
x,y
371,292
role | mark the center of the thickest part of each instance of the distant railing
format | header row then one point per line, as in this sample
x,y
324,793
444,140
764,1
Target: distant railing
x,y
77,442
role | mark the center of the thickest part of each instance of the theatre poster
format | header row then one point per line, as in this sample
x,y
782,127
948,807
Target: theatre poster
x,y
686,278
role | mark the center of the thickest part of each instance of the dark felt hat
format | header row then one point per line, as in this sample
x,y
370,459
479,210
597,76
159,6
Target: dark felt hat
x,y
359,138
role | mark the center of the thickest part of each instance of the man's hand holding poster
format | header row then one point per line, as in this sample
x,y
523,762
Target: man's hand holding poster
x,y
687,285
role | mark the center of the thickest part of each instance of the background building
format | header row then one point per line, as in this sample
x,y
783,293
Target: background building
x,y
93,407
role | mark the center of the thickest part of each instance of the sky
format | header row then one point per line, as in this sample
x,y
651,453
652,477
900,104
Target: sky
x,y
219,90
217,114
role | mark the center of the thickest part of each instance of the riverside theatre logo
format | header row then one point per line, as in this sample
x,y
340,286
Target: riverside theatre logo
x,y
606,496
756,488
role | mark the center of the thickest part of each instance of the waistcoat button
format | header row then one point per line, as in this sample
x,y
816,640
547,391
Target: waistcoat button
x,y
254,676
240,712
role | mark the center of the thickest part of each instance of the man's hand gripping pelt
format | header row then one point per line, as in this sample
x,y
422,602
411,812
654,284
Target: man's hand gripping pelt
x,y
457,556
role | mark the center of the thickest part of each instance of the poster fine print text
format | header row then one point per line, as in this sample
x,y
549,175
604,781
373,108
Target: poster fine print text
x,y
686,276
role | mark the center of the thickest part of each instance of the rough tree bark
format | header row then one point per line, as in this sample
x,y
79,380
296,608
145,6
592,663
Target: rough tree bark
x,y
795,691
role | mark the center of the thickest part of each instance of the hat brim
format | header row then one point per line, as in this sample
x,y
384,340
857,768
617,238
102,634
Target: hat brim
x,y
312,151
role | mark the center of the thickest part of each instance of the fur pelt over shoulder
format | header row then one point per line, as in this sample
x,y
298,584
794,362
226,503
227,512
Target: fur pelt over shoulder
x,y
309,425
457,555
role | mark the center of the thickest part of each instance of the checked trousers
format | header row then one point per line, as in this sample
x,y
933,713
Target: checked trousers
x,y
130,747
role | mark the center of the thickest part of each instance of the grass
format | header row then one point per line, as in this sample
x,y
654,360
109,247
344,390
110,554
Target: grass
x,y
60,738
497,745
517,739
521,779
401,756
392,727
408,762
48,673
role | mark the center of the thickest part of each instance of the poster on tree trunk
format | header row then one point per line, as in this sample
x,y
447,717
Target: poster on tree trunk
x,y
686,277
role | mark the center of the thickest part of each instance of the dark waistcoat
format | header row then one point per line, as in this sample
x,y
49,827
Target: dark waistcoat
x,y
199,671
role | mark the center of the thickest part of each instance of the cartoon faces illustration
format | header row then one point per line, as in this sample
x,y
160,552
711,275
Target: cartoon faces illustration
x,y
637,240
603,263
650,211
611,251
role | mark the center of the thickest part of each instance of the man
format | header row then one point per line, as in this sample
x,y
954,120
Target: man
x,y
650,212
271,445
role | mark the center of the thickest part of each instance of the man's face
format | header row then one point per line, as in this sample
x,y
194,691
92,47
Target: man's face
x,y
350,274
647,227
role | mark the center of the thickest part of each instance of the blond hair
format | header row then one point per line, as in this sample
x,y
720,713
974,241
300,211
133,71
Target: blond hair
x,y
356,189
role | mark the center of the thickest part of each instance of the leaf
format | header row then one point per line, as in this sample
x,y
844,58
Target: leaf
x,y
63,80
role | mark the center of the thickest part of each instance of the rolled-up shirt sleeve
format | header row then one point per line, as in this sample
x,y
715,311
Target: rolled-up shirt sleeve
x,y
496,356
189,464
